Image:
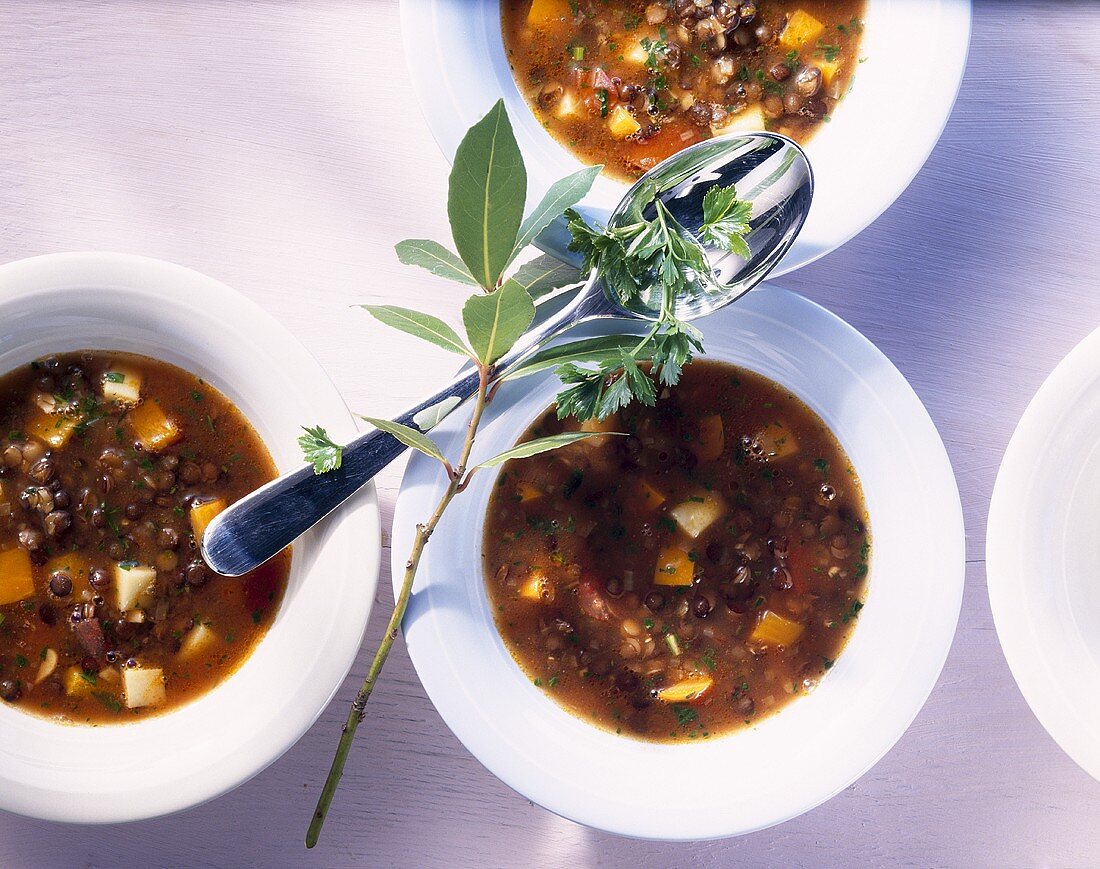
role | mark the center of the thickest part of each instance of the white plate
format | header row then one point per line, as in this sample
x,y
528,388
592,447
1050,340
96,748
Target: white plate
x,y
1043,554
139,770
788,763
879,137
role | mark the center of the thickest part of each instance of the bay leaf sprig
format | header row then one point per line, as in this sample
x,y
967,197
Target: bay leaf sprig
x,y
486,194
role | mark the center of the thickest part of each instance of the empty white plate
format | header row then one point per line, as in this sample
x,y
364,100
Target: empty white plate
x,y
1043,554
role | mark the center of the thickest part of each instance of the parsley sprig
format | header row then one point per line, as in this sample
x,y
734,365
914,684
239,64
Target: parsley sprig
x,y
635,258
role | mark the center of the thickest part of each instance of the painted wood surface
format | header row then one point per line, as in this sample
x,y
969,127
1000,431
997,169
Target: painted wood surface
x,y
276,146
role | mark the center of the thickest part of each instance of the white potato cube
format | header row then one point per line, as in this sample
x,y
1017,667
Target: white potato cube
x,y
697,515
143,687
133,584
197,642
567,106
751,120
122,384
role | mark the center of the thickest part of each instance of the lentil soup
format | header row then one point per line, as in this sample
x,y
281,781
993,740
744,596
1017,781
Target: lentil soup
x,y
628,83
111,466
690,578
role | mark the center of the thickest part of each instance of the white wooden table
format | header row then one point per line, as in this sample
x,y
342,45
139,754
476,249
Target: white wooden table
x,y
277,147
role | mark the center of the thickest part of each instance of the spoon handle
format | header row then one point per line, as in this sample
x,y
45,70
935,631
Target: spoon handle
x,y
268,520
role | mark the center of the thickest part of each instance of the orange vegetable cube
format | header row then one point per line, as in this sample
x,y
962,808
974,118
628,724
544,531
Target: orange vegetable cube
x,y
674,567
711,440
527,492
203,513
52,428
16,579
76,683
537,588
152,427
621,123
650,496
801,28
774,630
543,12
687,690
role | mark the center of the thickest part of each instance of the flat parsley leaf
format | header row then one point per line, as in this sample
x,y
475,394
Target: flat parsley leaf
x,y
726,220
320,450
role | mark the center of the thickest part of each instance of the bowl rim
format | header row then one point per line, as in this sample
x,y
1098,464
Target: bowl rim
x,y
1052,668
163,292
438,614
447,121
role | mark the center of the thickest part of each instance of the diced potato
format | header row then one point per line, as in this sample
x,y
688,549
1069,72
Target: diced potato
x,y
109,675
636,53
133,585
48,665
203,513
774,630
801,28
567,106
650,496
697,515
674,567
77,683
751,120
777,441
152,427
544,11
687,690
537,588
711,440
621,123
527,492
829,69
197,642
143,686
122,384
16,579
54,429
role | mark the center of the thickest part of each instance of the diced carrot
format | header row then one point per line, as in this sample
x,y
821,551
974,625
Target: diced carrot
x,y
527,492
612,423
16,579
537,588
674,567
801,28
711,440
621,123
774,630
687,690
650,496
152,427
52,428
76,684
203,513
542,12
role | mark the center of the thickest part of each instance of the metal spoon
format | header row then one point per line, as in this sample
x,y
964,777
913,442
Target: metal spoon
x,y
769,170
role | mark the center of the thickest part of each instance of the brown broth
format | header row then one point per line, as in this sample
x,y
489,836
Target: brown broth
x,y
618,88
97,492
691,578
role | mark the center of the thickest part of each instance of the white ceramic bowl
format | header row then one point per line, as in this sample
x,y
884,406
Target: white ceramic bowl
x,y
879,136
1042,552
789,762
164,764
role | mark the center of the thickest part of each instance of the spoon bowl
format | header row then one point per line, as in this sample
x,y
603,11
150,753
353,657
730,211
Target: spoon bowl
x,y
770,171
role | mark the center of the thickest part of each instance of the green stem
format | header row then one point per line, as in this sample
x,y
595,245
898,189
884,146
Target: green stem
x,y
423,534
